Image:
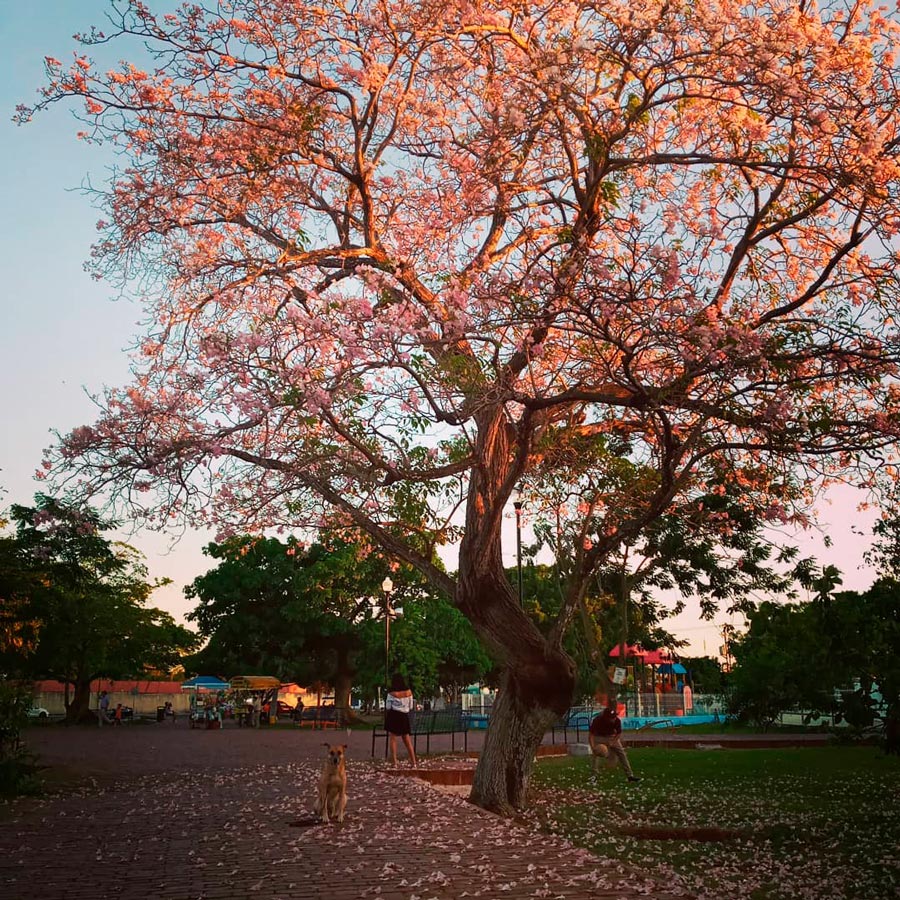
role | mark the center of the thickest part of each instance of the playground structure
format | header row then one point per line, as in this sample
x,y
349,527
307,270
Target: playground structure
x,y
655,683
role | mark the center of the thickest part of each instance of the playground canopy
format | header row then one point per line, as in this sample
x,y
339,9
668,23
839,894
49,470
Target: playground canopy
x,y
630,650
673,669
647,657
205,683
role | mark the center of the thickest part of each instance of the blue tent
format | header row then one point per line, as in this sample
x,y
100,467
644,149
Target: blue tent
x,y
205,683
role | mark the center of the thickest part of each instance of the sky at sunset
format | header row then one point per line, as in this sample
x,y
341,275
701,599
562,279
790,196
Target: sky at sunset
x,y
62,336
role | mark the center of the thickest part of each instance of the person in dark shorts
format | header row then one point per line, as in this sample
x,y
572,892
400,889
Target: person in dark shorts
x,y
604,736
398,706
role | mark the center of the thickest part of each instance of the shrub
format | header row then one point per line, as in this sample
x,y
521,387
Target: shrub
x,y
17,765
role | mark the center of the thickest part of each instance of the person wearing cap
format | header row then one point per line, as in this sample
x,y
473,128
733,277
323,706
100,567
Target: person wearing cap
x,y
605,732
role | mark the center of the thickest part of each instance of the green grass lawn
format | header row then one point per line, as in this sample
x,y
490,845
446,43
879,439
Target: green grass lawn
x,y
811,823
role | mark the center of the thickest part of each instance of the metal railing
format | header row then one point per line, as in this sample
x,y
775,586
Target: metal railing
x,y
673,704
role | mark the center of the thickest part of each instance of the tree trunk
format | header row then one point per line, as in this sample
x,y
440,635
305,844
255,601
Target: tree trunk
x,y
79,709
343,684
538,677
522,713
535,690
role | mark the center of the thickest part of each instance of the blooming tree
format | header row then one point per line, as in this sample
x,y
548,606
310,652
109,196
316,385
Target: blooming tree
x,y
399,258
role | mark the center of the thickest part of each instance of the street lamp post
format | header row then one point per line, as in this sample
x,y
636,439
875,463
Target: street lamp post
x,y
388,587
517,505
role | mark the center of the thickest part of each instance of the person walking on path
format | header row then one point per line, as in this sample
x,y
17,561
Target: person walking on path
x,y
605,731
398,706
103,709
119,712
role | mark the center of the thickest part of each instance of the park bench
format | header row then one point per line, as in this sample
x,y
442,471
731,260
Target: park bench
x,y
320,717
667,724
569,723
425,723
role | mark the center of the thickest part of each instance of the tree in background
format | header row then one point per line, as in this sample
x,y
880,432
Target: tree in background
x,y
778,664
434,645
401,257
885,555
712,549
315,614
286,609
80,599
706,674
862,632
836,654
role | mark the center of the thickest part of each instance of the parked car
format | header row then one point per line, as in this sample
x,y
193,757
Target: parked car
x,y
38,712
284,709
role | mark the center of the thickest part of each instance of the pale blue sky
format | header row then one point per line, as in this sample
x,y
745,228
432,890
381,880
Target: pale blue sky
x,y
60,333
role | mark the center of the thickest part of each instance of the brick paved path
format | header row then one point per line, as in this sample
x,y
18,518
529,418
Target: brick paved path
x,y
206,825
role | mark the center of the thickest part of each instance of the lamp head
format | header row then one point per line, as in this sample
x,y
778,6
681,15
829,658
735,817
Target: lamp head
x,y
387,585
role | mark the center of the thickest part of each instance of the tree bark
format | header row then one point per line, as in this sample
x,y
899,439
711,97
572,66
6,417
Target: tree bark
x,y
538,676
79,709
343,682
535,690
525,708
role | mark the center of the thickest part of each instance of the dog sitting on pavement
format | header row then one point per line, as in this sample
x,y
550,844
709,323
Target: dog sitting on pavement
x,y
332,794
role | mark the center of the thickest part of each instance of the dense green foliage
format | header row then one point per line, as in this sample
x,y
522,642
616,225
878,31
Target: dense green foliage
x,y
75,604
597,630
16,764
316,614
706,674
711,550
838,653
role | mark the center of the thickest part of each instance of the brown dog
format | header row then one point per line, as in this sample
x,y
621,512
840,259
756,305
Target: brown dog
x,y
332,798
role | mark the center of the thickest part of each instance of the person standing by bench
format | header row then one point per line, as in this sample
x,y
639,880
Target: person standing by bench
x,y
398,705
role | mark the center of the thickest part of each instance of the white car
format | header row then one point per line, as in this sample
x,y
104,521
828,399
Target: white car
x,y
38,712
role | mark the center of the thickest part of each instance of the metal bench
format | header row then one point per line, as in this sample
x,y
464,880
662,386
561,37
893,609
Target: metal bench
x,y
321,717
426,723
567,723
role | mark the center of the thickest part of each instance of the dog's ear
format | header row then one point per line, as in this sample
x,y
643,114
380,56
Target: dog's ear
x,y
344,747
327,745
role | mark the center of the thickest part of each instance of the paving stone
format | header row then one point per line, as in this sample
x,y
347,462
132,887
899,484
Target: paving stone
x,y
178,815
